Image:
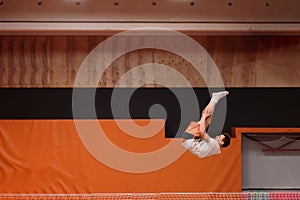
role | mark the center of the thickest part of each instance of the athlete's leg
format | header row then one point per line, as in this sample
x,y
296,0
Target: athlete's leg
x,y
209,109
212,104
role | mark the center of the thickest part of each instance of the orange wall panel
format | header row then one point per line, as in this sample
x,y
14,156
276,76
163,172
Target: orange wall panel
x,y
48,156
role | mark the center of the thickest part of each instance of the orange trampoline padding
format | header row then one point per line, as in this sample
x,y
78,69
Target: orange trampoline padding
x,y
49,156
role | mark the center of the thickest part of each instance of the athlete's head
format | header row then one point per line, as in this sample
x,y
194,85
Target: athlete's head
x,y
223,140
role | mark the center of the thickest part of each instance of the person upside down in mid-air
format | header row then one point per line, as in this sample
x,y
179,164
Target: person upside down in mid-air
x,y
202,145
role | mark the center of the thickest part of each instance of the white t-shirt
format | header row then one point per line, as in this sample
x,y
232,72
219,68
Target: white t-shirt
x,y
203,148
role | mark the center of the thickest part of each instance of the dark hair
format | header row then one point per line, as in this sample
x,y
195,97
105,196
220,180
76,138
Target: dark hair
x,y
226,140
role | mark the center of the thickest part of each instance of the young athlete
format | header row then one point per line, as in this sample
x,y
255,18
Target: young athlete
x,y
202,144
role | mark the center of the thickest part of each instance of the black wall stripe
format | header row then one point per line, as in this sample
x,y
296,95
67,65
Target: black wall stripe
x,y
255,107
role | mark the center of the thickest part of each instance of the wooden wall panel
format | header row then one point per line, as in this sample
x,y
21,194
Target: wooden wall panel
x,y
243,61
278,62
5,56
59,65
235,58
